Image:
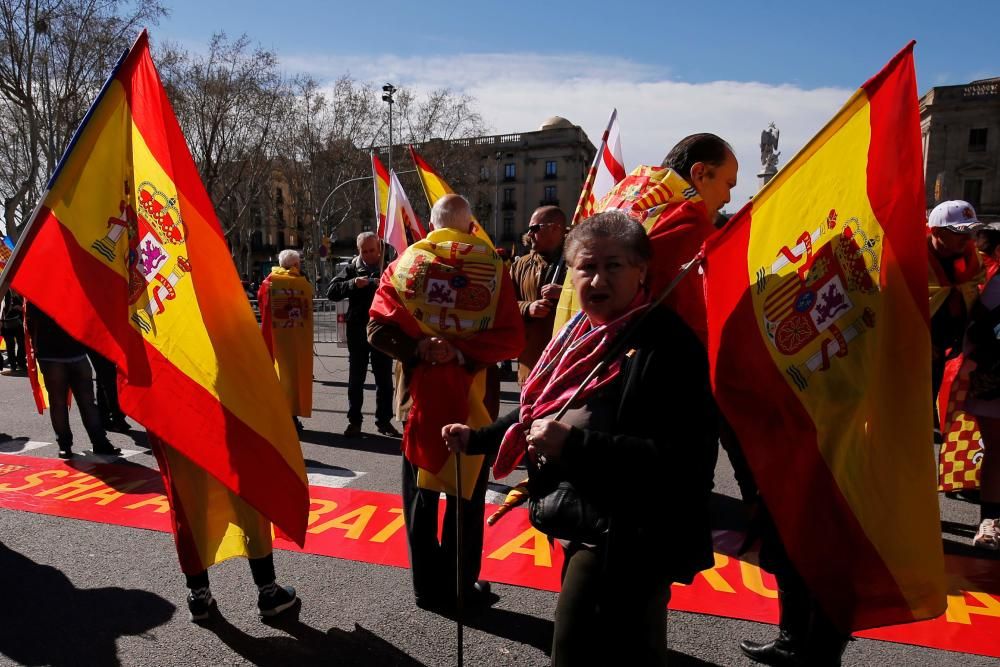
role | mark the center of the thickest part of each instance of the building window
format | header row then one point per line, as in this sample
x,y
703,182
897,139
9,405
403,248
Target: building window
x,y
977,139
484,173
508,229
508,195
279,197
509,171
550,196
972,191
550,169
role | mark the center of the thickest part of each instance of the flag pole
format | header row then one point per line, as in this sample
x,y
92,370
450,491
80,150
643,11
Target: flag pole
x,y
459,516
588,186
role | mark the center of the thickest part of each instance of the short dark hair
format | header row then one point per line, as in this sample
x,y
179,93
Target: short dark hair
x,y
610,226
703,147
550,215
987,241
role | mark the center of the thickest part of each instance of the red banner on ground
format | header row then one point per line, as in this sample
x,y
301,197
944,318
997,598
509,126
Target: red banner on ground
x,y
368,526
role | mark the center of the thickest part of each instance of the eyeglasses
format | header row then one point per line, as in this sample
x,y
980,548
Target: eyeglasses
x,y
537,227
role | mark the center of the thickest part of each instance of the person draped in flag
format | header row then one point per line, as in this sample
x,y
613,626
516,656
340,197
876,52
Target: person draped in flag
x,y
955,273
285,301
446,310
631,445
126,255
707,164
981,351
538,279
356,282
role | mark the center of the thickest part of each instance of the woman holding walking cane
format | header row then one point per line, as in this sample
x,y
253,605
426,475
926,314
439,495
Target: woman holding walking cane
x,y
618,426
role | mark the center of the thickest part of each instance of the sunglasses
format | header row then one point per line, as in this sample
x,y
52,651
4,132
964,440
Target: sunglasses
x,y
534,229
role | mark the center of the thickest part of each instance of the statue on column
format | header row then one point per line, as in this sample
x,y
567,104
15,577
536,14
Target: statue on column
x,y
769,149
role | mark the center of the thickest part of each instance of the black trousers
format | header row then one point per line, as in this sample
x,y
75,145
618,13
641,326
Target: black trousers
x,y
432,563
360,353
261,569
107,388
602,618
14,338
60,379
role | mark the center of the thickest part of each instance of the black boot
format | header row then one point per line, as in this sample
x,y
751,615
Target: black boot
x,y
826,644
65,447
793,626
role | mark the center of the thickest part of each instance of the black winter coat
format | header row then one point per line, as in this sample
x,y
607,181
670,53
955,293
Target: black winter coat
x,y
652,473
359,300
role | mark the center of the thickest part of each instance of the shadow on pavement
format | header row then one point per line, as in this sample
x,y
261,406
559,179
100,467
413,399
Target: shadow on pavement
x,y
308,646
676,659
369,442
55,623
515,626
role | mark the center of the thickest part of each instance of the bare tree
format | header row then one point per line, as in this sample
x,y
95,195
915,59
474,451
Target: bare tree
x,y
230,101
54,57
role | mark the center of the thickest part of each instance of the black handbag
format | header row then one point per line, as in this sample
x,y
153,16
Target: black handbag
x,y
556,508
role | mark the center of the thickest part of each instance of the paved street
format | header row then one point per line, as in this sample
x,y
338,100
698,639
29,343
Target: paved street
x,y
86,593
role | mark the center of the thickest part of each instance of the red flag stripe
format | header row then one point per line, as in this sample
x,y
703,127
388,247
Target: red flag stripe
x,y
796,454
256,469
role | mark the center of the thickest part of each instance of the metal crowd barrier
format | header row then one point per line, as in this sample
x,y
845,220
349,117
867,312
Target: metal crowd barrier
x,y
329,321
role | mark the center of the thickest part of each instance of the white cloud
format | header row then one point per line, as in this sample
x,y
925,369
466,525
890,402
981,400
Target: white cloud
x,y
516,92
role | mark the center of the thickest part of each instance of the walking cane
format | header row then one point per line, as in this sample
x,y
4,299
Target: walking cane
x,y
459,513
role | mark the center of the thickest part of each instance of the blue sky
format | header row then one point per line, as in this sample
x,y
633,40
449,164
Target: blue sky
x,y
772,42
670,68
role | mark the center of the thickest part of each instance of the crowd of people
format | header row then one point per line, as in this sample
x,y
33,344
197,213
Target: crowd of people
x,y
595,394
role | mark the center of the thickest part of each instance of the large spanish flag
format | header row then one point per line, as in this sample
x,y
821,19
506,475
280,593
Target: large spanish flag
x,y
126,254
820,357
436,187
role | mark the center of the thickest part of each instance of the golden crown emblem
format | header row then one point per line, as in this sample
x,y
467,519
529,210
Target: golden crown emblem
x,y
160,211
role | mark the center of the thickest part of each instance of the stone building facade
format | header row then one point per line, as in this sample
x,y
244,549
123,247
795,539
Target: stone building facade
x,y
961,145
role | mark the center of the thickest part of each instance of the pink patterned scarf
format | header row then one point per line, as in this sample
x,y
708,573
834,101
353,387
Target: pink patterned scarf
x,y
565,363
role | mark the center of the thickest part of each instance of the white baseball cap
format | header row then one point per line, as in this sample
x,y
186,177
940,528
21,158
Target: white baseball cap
x,y
955,215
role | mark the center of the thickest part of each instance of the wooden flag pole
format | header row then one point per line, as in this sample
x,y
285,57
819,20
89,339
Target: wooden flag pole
x,y
460,588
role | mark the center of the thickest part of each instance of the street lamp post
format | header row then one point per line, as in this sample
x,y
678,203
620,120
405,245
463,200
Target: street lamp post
x,y
388,90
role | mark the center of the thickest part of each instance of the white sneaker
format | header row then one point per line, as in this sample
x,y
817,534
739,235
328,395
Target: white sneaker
x,y
988,536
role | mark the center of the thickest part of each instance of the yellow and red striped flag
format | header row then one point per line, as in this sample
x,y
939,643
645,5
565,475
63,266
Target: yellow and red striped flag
x,y
819,348
435,187
125,252
380,178
607,171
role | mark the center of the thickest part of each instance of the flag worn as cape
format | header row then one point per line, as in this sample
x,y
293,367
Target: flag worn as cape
x,y
380,179
125,252
285,300
452,285
819,346
677,223
436,187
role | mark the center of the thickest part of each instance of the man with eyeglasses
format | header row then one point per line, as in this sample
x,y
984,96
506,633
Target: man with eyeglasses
x,y
538,278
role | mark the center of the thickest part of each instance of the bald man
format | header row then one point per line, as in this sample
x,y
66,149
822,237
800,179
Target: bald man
x,y
446,310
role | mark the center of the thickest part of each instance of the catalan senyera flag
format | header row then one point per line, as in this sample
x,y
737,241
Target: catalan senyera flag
x,y
6,246
819,346
380,179
126,254
436,187
961,455
607,171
